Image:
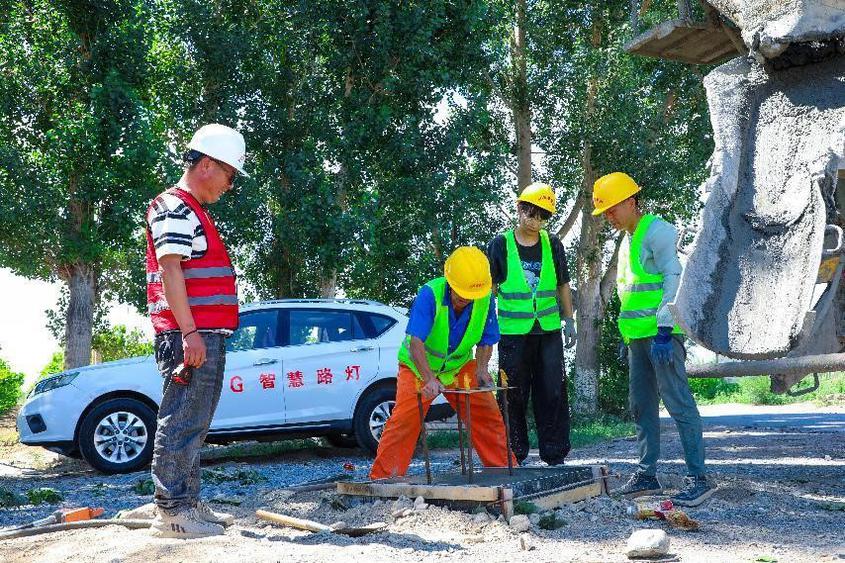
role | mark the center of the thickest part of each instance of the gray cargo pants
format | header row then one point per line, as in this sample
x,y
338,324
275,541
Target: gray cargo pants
x,y
183,419
648,382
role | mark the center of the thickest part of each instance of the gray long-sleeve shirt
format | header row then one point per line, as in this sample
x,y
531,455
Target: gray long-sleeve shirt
x,y
660,256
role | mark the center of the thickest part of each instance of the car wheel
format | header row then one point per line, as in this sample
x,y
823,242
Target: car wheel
x,y
371,415
339,440
117,436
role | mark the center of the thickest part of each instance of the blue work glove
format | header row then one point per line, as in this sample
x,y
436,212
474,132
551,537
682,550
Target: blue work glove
x,y
661,346
622,354
569,334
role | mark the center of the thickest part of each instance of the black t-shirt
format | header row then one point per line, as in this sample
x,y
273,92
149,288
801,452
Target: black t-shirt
x,y
532,261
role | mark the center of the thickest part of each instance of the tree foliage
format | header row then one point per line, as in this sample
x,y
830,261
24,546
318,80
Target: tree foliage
x,y
380,135
76,146
10,387
118,342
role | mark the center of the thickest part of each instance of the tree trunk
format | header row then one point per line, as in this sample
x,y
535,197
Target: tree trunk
x,y
590,305
328,285
520,103
82,283
589,273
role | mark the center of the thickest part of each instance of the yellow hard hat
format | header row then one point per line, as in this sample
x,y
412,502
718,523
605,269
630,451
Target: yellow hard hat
x,y
468,272
540,195
612,189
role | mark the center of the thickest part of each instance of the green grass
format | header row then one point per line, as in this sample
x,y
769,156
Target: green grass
x,y
241,476
755,391
583,432
260,449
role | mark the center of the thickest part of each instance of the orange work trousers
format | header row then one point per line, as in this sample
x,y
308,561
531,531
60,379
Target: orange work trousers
x,y
399,439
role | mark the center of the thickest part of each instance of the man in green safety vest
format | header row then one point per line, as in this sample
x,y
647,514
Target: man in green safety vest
x,y
648,274
451,316
531,281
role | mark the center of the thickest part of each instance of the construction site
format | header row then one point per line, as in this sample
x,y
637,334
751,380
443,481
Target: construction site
x,y
761,289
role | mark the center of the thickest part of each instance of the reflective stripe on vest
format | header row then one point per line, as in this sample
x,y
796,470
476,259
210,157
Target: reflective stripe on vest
x,y
640,292
441,362
209,280
196,273
519,307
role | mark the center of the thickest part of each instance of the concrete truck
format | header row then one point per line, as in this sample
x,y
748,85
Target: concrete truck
x,y
763,283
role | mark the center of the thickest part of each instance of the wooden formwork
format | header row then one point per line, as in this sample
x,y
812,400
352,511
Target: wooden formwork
x,y
680,40
492,487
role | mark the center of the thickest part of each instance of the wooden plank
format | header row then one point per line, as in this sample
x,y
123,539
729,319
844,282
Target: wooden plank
x,y
506,503
683,41
413,490
600,475
569,496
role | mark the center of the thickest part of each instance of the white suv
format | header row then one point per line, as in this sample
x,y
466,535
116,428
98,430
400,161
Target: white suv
x,y
294,368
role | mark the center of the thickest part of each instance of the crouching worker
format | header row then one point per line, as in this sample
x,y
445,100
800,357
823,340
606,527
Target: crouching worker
x,y
449,317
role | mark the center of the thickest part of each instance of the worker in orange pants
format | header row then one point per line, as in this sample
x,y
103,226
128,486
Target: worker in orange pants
x,y
403,428
450,316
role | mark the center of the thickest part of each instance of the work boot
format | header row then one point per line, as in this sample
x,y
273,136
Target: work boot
x,y
639,485
209,515
696,490
184,523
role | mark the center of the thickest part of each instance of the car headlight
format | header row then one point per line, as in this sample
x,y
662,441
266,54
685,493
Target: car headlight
x,y
54,382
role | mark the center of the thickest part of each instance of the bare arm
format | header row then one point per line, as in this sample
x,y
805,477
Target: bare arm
x,y
176,294
482,365
431,385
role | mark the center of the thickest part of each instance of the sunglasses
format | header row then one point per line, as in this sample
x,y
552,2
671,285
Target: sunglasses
x,y
230,175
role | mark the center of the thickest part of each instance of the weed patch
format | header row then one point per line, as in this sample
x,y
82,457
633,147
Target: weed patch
x,y
11,499
241,476
551,522
144,487
44,495
525,507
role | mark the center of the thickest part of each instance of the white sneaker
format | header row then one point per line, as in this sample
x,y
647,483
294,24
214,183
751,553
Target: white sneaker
x,y
186,523
206,513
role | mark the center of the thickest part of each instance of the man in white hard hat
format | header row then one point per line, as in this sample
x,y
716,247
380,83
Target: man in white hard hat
x,y
192,298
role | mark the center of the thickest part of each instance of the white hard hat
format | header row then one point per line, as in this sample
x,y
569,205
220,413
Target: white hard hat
x,y
222,143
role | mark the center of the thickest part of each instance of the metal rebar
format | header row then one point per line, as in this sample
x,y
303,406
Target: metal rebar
x,y
460,434
503,381
424,436
469,441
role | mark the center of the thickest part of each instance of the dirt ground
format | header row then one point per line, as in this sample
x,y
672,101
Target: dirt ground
x,y
781,497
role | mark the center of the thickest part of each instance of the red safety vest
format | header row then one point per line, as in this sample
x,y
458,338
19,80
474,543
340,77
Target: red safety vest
x,y
209,280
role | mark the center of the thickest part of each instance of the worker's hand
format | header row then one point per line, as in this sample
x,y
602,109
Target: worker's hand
x,y
194,347
661,346
483,378
569,333
432,388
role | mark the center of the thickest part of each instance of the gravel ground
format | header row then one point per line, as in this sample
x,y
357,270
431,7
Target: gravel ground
x,y
777,498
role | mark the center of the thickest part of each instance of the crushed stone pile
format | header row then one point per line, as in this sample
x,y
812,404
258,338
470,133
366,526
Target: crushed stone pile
x,y
779,137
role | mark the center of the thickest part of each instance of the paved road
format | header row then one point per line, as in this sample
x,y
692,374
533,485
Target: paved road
x,y
802,416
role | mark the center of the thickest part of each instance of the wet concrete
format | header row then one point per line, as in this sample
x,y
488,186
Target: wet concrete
x,y
770,26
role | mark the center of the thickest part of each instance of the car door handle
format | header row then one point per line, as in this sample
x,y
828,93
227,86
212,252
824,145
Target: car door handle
x,y
265,362
362,349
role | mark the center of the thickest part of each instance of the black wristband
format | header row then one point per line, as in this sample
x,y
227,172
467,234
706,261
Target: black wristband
x,y
187,334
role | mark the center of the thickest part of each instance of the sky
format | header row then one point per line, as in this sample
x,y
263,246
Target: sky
x,y
25,343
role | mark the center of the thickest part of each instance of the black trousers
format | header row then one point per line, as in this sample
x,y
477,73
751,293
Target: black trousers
x,y
534,366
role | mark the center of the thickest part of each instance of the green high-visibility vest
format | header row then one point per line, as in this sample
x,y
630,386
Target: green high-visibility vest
x,y
441,362
640,292
519,307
